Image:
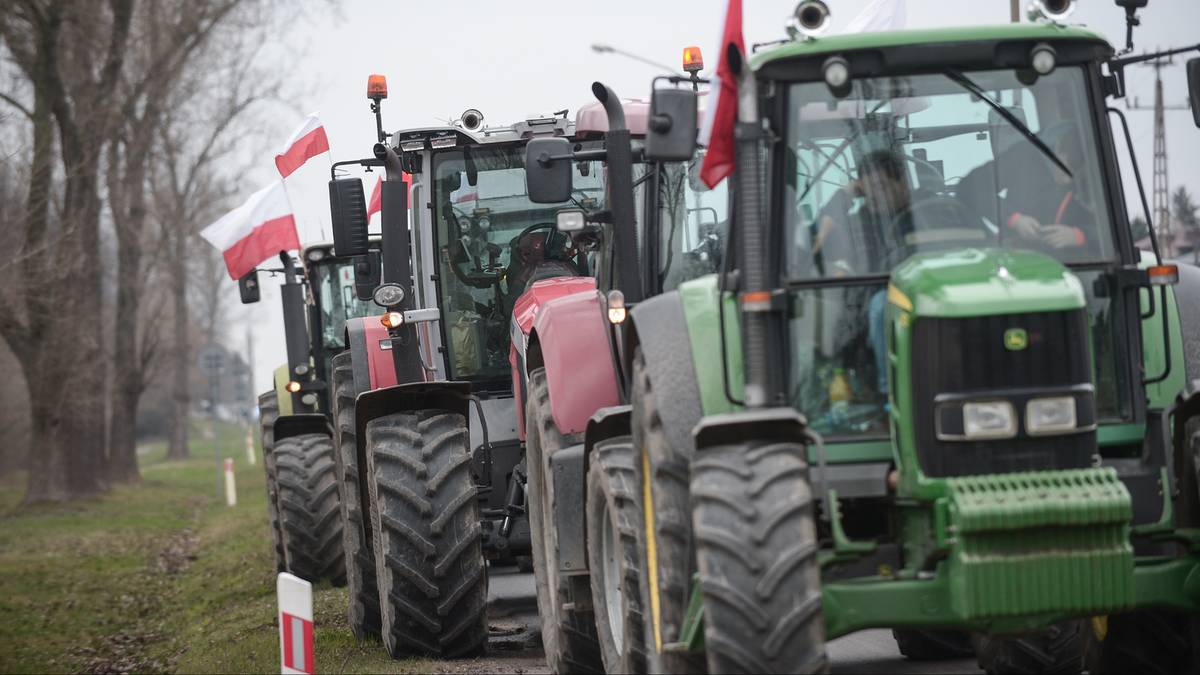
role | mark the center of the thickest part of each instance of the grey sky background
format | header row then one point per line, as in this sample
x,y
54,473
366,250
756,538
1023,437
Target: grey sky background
x,y
509,59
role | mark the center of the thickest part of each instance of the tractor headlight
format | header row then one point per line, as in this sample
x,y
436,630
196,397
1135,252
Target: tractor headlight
x,y
989,419
388,295
1051,415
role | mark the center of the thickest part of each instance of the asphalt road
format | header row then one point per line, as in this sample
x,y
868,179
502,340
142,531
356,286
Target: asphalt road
x,y
516,645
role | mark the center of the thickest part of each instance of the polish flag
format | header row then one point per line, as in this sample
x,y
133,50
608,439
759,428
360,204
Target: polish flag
x,y
307,141
254,231
879,15
375,205
721,113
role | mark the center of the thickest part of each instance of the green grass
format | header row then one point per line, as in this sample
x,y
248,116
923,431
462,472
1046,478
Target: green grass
x,y
155,576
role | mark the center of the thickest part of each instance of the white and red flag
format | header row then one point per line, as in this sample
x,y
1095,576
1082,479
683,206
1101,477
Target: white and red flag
x,y
258,229
721,115
879,15
306,142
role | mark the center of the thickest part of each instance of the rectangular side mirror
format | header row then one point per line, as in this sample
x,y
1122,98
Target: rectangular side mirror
x,y
570,220
248,287
671,129
348,209
547,180
1193,77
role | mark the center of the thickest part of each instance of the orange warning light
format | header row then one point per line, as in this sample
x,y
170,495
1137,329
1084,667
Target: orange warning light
x,y
693,61
376,86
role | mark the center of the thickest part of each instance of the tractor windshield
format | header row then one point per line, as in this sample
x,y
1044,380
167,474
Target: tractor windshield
x,y
693,223
493,242
922,163
337,301
906,165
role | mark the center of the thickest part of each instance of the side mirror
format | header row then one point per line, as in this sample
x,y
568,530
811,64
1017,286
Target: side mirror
x,y
570,220
348,209
671,131
249,288
368,274
1193,75
547,173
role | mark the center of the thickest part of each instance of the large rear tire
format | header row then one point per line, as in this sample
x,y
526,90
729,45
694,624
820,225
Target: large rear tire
x,y
268,411
309,517
665,577
568,636
614,519
363,612
933,645
1061,649
756,553
426,535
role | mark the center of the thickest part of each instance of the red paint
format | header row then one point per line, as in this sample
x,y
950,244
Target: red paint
x,y
380,365
264,241
286,622
573,333
305,148
525,310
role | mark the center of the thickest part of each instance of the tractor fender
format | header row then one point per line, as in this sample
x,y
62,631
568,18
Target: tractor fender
x,y
369,405
769,424
287,426
524,352
370,349
571,340
659,327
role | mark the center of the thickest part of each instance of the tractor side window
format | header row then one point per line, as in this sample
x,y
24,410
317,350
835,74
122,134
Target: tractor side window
x,y
693,223
338,302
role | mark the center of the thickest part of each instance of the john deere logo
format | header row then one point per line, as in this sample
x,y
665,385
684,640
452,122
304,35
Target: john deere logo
x,y
1016,339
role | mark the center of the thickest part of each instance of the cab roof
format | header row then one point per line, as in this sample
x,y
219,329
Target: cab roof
x,y
923,37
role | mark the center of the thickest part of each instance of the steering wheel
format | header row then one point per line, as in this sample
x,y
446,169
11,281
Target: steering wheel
x,y
550,252
938,223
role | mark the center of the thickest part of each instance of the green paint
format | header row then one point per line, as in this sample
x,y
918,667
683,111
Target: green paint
x,y
699,299
983,282
281,392
1120,434
950,36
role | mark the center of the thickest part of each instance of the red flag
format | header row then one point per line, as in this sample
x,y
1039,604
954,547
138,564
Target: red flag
x,y
717,133
306,142
254,231
375,205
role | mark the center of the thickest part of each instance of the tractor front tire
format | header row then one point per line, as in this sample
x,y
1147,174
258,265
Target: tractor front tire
x,y
268,411
614,519
933,645
426,533
1061,649
568,636
363,612
756,554
665,578
309,517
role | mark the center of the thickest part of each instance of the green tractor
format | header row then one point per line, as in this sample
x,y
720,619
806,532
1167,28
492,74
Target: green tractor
x,y
934,296
318,296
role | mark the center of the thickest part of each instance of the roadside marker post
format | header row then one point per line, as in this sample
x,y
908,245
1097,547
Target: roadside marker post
x,y
250,447
230,485
295,624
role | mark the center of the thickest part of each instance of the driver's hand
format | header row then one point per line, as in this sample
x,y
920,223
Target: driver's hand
x,y
1027,226
1059,236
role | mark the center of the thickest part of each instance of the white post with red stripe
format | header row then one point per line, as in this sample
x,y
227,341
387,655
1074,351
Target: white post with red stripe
x,y
295,624
230,485
250,447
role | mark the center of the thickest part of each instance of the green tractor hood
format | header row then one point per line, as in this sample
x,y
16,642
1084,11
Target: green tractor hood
x,y
981,282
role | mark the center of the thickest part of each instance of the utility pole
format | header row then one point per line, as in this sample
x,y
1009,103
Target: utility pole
x,y
1161,191
1014,11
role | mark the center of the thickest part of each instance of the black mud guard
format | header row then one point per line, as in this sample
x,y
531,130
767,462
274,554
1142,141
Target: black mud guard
x,y
356,342
287,426
777,424
658,326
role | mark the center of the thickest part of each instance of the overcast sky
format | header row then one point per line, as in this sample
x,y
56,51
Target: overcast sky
x,y
512,58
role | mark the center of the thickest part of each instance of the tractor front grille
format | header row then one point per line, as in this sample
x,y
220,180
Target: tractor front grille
x,y
967,358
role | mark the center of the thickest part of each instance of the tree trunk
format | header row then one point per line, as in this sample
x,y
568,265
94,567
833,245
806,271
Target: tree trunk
x,y
180,352
127,377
